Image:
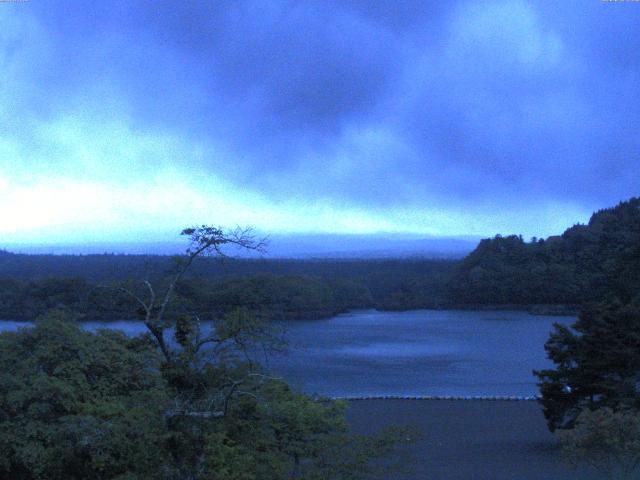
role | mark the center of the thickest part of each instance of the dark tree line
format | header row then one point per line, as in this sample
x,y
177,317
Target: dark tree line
x,y
272,289
379,274
584,264
597,359
268,296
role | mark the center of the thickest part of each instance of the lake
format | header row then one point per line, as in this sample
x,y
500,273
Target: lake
x,y
415,353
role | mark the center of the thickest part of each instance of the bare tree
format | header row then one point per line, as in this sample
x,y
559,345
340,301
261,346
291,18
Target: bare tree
x,y
204,241
234,336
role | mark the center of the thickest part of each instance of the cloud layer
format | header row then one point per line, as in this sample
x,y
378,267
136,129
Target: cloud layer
x,y
463,117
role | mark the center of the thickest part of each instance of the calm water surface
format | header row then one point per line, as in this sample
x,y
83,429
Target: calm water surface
x,y
422,352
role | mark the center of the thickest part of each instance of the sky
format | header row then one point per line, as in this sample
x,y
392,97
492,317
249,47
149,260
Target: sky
x,y
129,120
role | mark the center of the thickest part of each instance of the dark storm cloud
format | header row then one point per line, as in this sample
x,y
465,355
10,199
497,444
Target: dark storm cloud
x,y
305,66
285,75
532,113
501,104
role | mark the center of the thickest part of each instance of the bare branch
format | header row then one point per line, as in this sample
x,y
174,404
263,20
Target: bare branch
x,y
264,377
210,240
200,343
147,308
158,333
152,294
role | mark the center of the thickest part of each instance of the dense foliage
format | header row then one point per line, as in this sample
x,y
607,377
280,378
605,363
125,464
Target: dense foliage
x,y
183,401
607,440
279,297
597,363
597,360
586,263
268,296
81,405
327,288
75,405
378,274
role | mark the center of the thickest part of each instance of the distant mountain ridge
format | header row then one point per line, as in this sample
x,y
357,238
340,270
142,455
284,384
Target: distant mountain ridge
x,y
299,246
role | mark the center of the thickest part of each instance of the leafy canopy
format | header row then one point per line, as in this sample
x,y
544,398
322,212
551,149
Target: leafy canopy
x,y
180,402
78,405
597,363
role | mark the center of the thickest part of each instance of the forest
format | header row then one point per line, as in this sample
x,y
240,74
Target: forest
x,y
585,263
181,402
448,286
555,274
176,403
276,289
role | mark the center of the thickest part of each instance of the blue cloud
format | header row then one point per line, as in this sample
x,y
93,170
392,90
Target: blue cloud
x,y
509,110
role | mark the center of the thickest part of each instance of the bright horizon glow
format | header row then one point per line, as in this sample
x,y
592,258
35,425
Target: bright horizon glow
x,y
62,203
85,192
62,211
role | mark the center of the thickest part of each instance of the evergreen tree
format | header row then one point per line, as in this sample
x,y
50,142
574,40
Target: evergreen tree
x,y
597,363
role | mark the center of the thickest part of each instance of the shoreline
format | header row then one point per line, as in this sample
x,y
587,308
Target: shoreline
x,y
559,310
468,398
538,309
